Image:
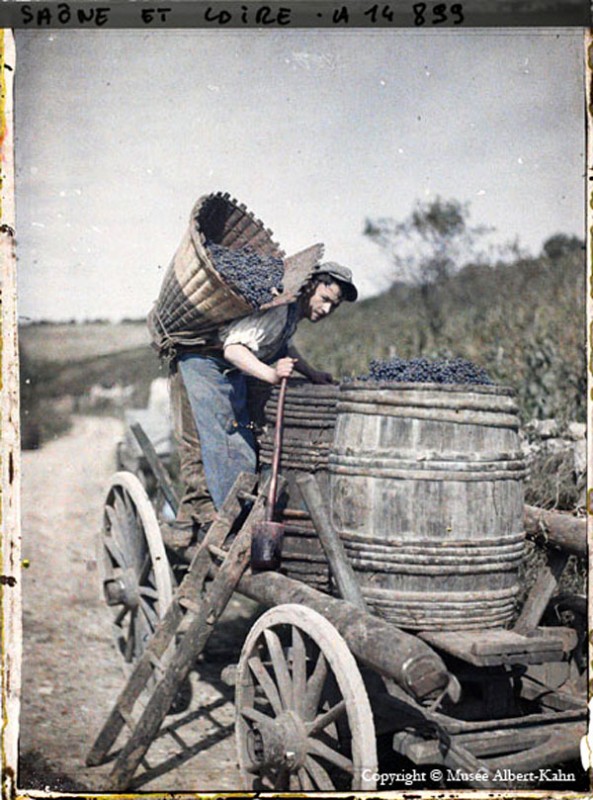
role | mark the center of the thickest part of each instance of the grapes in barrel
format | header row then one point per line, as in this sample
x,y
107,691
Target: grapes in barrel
x,y
423,370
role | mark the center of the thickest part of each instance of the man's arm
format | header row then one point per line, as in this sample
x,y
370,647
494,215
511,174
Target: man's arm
x,y
242,358
303,366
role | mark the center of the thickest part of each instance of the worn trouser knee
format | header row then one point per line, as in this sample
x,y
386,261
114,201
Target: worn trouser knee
x,y
196,503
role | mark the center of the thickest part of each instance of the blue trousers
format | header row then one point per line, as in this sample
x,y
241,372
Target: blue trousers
x,y
218,398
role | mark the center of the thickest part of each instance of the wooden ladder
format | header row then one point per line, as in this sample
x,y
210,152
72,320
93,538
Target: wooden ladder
x,y
196,606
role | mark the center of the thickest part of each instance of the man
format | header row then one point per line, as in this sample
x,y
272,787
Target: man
x,y
209,395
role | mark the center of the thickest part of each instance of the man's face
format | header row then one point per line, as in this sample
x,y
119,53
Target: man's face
x,y
323,301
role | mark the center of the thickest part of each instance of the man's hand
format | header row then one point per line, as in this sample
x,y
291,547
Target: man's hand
x,y
284,368
317,376
242,358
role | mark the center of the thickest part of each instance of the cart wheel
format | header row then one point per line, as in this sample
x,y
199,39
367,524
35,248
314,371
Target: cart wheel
x,y
304,722
135,570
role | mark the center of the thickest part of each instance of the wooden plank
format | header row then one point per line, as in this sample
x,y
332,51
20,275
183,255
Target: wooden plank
x,y
166,629
503,743
213,604
563,746
509,642
496,647
534,689
400,707
341,568
448,752
154,462
457,757
541,592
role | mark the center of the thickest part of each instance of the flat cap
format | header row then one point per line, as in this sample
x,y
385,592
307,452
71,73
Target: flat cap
x,y
343,276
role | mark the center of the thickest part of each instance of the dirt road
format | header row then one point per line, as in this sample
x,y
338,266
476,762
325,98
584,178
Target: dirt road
x,y
71,670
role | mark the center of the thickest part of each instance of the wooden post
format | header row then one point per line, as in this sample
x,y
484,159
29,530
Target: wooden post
x,y
154,462
559,530
334,549
541,592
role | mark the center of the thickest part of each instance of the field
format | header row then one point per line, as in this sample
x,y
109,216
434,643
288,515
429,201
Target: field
x,y
64,343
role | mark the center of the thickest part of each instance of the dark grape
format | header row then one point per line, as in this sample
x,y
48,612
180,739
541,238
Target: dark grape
x,y
421,370
252,275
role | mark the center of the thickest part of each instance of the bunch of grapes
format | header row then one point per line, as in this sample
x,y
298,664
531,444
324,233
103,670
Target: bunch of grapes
x,y
253,276
421,370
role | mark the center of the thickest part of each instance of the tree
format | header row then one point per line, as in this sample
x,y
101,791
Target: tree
x,y
432,243
428,247
561,245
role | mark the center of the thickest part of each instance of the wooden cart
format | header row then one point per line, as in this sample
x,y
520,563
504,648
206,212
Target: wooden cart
x,y
321,682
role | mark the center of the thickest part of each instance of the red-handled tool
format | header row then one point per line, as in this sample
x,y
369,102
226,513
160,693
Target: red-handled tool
x,y
266,544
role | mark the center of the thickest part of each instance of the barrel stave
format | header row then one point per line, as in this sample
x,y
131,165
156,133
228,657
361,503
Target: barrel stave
x,y
426,493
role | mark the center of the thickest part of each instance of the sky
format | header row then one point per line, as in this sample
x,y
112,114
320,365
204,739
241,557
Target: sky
x,y
119,132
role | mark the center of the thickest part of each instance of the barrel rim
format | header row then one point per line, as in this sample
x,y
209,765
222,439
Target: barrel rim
x,y
469,388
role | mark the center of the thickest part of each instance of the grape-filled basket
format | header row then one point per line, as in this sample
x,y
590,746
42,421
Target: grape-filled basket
x,y
195,298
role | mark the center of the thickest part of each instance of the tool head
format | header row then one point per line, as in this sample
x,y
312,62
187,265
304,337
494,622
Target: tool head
x,y
266,546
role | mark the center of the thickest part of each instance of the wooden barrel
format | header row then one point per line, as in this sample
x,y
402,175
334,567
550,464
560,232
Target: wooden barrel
x,y
427,496
309,421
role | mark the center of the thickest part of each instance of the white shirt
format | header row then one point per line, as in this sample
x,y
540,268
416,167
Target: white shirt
x,y
261,332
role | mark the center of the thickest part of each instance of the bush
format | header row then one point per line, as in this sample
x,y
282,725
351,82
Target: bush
x,y
523,322
552,483
40,419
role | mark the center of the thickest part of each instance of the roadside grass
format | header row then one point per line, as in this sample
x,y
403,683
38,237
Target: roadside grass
x,y
51,390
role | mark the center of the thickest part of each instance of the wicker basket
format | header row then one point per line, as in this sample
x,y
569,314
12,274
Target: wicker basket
x,y
194,299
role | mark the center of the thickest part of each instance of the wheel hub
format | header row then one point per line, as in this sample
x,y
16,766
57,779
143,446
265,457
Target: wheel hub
x,y
281,742
122,589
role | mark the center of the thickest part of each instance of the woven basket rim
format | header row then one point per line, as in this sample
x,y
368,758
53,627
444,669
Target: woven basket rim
x,y
199,241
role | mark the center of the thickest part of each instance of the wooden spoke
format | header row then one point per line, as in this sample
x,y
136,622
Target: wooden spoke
x,y
299,671
111,516
267,684
125,520
282,779
319,775
131,640
120,615
145,571
280,668
306,784
253,715
323,720
117,630
316,747
114,551
148,591
151,616
315,686
131,528
294,783
130,508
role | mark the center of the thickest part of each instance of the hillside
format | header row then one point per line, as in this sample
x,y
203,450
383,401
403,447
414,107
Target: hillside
x,y
524,323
